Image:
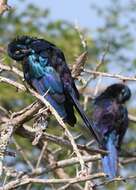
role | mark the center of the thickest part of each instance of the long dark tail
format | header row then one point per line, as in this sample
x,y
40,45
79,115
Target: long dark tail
x,y
110,161
88,123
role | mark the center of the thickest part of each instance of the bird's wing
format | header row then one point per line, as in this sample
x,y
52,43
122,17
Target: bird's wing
x,y
105,117
44,79
46,76
56,59
123,124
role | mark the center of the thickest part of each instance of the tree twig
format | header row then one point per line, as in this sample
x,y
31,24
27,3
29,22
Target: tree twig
x,y
26,180
3,6
23,154
121,77
120,179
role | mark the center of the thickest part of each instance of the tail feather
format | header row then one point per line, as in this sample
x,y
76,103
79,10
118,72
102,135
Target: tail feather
x,y
88,123
110,161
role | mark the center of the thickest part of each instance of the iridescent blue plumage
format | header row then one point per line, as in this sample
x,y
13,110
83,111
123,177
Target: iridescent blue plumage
x,y
111,121
45,68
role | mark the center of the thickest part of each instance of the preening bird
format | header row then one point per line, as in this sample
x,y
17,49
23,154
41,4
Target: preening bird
x,y
110,118
45,68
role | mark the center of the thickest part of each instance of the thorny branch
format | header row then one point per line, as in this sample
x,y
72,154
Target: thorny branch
x,y
16,121
120,179
3,6
42,99
120,77
26,180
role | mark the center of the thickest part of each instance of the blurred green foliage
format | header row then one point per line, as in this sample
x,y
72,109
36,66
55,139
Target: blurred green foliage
x,y
117,30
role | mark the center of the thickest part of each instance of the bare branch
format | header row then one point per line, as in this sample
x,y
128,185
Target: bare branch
x,y
121,77
120,179
26,180
128,161
132,118
6,132
62,124
60,141
22,153
101,62
59,119
3,6
12,69
41,155
13,83
79,65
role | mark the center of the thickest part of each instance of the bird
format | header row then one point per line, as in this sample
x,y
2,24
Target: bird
x,y
110,117
45,69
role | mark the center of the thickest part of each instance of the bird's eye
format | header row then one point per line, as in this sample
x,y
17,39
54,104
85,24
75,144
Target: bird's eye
x,y
123,92
17,52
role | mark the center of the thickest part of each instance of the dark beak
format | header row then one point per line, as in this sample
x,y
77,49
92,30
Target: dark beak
x,y
24,51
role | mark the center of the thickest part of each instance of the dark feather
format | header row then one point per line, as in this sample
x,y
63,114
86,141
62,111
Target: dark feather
x,y
111,122
44,67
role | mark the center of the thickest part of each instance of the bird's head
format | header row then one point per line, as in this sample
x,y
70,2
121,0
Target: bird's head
x,y
19,48
118,91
